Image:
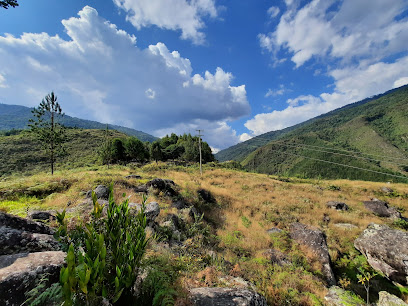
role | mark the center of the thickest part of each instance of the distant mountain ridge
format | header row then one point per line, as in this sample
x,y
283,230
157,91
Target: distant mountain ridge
x,y
17,116
374,129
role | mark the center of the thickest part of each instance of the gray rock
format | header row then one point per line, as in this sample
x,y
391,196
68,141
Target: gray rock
x,y
16,241
226,297
273,230
165,186
381,209
152,211
387,299
315,240
180,204
24,224
41,215
277,257
102,192
346,226
387,190
140,188
340,297
337,205
20,273
386,251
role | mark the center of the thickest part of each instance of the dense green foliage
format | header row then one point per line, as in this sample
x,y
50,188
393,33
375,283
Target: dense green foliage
x,y
16,117
104,255
376,129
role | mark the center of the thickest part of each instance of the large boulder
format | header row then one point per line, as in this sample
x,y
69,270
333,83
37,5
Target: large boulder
x,y
340,297
337,205
386,251
17,241
381,209
152,210
315,240
101,192
387,299
21,272
18,223
41,215
226,297
277,257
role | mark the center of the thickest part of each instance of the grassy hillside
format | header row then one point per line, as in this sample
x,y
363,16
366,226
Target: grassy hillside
x,y
16,117
234,228
373,132
23,154
241,150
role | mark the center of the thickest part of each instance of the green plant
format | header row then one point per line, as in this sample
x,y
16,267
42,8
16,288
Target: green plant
x,y
245,221
364,278
44,294
401,223
106,261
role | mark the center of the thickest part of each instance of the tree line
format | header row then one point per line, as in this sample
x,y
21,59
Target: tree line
x,y
50,133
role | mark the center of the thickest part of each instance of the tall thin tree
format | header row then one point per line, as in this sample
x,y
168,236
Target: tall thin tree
x,y
46,128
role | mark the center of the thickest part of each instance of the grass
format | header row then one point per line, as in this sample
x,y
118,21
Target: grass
x,y
239,220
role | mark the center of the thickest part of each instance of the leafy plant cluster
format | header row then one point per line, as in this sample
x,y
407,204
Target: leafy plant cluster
x,y
104,255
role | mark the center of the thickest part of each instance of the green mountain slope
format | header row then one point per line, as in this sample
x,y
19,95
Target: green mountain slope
x,y
21,153
16,117
372,131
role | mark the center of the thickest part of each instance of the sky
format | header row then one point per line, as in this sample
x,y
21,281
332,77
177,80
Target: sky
x,y
234,69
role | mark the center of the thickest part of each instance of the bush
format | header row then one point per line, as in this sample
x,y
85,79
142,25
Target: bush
x,y
104,262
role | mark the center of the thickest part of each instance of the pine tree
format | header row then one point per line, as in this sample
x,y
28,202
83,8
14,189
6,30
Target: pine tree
x,y
46,129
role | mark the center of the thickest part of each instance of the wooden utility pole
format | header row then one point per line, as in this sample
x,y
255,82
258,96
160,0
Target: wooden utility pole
x,y
199,148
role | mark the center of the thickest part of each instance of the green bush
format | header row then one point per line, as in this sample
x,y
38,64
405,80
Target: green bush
x,y
104,262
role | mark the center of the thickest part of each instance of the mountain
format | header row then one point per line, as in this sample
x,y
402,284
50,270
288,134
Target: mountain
x,y
16,117
370,134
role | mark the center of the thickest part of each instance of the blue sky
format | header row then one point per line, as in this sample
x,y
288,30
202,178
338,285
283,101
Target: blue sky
x,y
235,69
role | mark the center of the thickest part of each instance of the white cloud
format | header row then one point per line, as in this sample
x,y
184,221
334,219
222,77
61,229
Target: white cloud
x,y
183,15
352,84
364,29
100,74
244,137
276,92
3,82
273,11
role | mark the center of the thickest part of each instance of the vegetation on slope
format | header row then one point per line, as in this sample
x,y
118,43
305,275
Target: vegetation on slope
x,y
16,117
233,228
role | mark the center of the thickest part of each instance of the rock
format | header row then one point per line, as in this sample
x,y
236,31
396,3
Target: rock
x,y
226,297
387,299
235,282
133,176
140,188
326,218
190,214
337,205
315,240
277,257
206,196
387,190
340,297
152,211
386,251
24,224
381,209
180,204
165,186
346,226
273,230
101,191
41,215
20,273
16,241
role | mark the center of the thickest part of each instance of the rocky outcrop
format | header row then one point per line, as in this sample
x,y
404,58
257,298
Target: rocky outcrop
x,y
387,299
315,240
41,215
16,241
337,205
277,257
226,297
152,210
101,192
21,224
19,273
340,297
273,230
386,251
381,209
162,185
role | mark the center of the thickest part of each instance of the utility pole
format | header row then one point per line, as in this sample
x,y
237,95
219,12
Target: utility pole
x,y
199,148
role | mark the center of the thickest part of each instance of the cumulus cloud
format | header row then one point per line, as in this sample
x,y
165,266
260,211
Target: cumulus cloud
x,y
183,15
273,11
100,73
276,92
364,29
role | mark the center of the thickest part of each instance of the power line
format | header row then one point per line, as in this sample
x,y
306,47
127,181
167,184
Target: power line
x,y
349,151
348,166
342,154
